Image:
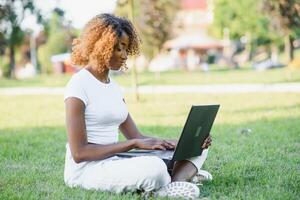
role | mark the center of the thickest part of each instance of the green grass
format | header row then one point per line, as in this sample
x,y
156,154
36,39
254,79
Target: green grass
x,y
176,77
38,81
263,164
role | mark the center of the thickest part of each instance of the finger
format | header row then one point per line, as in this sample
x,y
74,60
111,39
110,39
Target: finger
x,y
159,147
172,144
207,145
208,139
170,147
168,144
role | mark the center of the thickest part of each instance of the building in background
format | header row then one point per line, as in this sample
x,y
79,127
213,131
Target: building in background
x,y
191,46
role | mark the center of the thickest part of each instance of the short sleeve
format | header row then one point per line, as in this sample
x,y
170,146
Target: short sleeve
x,y
75,88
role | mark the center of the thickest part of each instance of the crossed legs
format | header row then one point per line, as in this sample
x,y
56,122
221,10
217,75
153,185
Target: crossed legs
x,y
185,170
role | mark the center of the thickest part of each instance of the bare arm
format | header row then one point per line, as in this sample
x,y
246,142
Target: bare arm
x,y
83,151
80,148
130,131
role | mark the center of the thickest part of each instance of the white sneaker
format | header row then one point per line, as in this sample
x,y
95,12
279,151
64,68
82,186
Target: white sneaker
x,y
202,175
179,189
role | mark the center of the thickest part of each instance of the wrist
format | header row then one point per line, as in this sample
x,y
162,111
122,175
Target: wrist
x,y
133,143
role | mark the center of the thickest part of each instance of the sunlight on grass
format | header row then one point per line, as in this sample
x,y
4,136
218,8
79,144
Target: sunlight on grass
x,y
177,77
261,164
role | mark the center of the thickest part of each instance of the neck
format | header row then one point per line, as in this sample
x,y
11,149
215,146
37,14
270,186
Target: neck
x,y
103,76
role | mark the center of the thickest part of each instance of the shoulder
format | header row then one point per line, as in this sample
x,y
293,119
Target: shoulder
x,y
78,79
80,75
76,86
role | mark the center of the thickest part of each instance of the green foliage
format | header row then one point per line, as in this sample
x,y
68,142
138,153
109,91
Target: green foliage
x,y
285,15
11,16
56,42
153,20
242,18
4,66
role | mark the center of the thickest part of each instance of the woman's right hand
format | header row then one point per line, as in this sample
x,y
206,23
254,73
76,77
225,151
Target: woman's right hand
x,y
153,144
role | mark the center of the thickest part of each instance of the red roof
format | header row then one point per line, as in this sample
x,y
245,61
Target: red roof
x,y
193,4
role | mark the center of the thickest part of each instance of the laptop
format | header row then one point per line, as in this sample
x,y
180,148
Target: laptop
x,y
196,129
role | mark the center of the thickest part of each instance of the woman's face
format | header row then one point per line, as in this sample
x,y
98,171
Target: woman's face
x,y
119,55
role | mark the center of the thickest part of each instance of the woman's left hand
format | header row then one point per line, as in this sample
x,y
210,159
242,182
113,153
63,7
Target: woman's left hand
x,y
207,142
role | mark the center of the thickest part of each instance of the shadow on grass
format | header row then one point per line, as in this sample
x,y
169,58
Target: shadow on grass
x,y
263,164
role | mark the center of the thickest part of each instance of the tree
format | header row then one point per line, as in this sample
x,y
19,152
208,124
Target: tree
x,y
153,21
239,17
285,18
12,14
243,18
58,40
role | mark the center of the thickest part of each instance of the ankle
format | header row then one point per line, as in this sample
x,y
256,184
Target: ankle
x,y
180,179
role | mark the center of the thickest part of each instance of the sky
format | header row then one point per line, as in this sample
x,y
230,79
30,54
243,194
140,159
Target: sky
x,y
78,11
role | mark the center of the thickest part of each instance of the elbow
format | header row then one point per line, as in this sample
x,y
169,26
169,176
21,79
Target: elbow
x,y
77,157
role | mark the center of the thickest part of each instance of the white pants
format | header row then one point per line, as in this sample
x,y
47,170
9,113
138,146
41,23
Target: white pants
x,y
117,174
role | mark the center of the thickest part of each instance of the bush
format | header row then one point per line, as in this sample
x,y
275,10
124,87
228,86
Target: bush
x,y
56,44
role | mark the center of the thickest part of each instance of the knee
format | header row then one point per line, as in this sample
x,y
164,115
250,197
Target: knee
x,y
157,172
156,167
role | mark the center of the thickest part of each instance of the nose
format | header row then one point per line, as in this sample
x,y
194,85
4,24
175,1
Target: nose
x,y
124,55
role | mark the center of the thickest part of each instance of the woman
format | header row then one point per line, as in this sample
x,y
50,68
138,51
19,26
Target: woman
x,y
96,111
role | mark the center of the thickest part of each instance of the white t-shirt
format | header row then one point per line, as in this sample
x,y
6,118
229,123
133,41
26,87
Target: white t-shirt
x,y
105,108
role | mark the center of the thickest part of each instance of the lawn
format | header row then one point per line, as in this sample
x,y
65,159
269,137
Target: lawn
x,y
261,164
176,77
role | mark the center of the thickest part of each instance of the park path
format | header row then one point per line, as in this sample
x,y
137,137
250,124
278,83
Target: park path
x,y
169,89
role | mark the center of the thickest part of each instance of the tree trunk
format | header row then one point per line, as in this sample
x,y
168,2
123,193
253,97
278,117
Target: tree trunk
x,y
134,71
289,48
274,53
12,61
291,53
248,48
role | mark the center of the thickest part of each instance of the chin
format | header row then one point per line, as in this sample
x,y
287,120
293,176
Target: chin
x,y
115,68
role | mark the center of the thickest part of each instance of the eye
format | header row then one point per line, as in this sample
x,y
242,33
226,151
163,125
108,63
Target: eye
x,y
118,48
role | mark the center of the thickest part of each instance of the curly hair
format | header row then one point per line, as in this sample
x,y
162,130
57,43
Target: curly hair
x,y
96,44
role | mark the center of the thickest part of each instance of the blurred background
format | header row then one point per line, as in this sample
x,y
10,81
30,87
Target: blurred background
x,y
243,55
178,35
